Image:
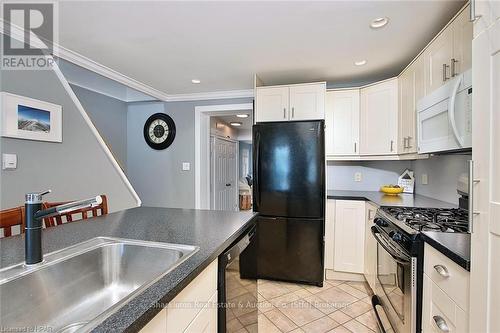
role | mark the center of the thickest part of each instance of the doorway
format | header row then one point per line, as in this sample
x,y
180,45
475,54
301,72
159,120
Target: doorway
x,y
224,173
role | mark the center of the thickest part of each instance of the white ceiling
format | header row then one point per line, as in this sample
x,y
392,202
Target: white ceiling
x,y
246,123
166,44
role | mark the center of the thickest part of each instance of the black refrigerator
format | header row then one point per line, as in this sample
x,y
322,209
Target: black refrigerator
x,y
289,194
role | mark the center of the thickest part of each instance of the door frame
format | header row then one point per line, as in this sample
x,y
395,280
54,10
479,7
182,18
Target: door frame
x,y
202,116
212,167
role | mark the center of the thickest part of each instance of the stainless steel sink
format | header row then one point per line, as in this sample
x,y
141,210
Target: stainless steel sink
x,y
75,288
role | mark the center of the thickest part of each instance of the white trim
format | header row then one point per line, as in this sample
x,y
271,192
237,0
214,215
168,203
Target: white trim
x,y
202,147
211,95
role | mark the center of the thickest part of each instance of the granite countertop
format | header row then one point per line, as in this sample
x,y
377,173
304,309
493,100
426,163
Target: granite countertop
x,y
381,199
455,246
211,231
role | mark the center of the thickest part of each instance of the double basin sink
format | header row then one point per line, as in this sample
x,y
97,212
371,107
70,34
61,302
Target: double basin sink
x,y
76,288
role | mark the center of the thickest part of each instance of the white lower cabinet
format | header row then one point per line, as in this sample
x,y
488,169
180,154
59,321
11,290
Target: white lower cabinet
x,y
199,316
370,247
446,294
349,236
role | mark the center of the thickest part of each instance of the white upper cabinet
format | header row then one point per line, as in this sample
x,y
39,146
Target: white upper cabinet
x,y
379,118
411,89
342,122
293,102
307,101
450,53
271,103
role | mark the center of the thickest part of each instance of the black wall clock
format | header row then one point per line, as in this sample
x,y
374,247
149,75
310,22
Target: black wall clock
x,y
159,131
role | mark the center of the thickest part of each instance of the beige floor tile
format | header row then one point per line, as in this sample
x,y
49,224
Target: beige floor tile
x,y
253,328
248,319
265,306
340,329
353,291
284,299
369,320
297,330
302,293
316,289
265,325
367,300
280,320
320,304
356,327
301,312
241,330
321,325
233,325
363,286
340,317
335,282
356,309
337,296
271,290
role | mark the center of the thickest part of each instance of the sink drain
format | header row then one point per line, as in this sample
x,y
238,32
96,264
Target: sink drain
x,y
72,327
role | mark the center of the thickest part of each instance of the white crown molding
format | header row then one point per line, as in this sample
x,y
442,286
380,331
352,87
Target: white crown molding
x,y
100,69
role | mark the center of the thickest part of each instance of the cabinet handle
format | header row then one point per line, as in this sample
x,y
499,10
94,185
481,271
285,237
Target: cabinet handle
x,y
355,148
392,144
442,270
472,11
404,142
441,323
472,182
284,113
445,69
453,67
409,138
293,112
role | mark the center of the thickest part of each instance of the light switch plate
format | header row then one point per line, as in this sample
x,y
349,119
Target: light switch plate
x,y
186,166
358,176
425,179
9,161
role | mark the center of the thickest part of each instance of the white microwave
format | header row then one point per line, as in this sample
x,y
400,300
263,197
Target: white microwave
x,y
444,117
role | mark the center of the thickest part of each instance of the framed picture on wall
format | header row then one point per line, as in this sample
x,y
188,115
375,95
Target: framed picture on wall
x,y
30,119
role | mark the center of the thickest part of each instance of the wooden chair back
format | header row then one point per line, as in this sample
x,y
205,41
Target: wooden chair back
x,y
10,218
79,214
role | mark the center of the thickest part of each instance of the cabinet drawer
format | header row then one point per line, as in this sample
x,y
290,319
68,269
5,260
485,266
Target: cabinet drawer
x,y
451,278
440,312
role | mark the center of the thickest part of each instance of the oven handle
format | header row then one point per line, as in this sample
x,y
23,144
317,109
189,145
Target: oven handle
x,y
375,302
378,238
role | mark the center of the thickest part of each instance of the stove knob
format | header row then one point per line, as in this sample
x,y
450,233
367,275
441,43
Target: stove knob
x,y
381,223
397,237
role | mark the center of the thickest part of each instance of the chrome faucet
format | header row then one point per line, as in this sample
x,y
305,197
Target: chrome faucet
x,y
34,217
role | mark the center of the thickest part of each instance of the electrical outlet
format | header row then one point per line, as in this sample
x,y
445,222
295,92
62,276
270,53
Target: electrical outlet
x,y
186,166
358,177
425,179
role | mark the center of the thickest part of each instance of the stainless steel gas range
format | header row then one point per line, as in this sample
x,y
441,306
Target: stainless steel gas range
x,y
400,260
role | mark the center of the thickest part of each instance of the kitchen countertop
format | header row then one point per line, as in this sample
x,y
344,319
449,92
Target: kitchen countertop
x,y
455,246
381,199
211,231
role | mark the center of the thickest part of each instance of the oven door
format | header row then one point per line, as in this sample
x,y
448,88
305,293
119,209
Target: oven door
x,y
396,283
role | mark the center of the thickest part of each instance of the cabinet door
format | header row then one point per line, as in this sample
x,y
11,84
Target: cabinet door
x,y
379,118
370,247
206,320
462,43
342,121
307,101
349,244
437,59
329,233
271,104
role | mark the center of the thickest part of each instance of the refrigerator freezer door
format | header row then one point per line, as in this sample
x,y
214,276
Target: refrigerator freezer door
x,y
290,249
289,169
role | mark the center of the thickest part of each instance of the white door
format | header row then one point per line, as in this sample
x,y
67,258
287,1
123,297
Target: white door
x,y
271,104
307,101
379,118
485,237
437,59
342,122
349,244
224,174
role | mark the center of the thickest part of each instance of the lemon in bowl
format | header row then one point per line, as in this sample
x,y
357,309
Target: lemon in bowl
x,y
391,189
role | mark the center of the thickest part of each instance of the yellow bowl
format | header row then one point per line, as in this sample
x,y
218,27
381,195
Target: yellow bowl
x,y
391,190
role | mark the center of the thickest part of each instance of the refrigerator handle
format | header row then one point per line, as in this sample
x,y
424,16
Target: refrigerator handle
x,y
256,170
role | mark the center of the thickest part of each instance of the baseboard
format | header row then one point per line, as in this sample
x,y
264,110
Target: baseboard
x,y
343,276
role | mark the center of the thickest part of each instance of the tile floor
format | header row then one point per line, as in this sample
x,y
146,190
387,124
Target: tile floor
x,y
337,307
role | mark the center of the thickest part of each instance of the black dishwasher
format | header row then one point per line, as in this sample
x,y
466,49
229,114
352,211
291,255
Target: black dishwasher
x,y
237,286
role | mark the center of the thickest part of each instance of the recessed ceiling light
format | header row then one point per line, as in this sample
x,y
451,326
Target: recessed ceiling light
x,y
235,123
242,115
195,81
379,22
360,62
